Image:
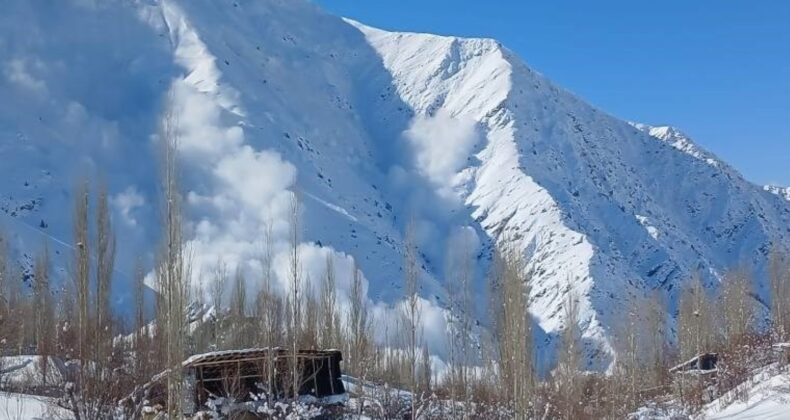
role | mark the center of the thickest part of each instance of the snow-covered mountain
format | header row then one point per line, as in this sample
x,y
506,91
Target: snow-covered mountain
x,y
781,192
374,129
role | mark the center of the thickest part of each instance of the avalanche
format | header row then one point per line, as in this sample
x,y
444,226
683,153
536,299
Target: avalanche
x,y
374,129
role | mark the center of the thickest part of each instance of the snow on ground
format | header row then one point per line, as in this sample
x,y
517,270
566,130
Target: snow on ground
x,y
767,398
17,372
30,407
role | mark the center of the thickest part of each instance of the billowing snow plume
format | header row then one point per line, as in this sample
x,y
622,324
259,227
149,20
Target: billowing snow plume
x,y
374,130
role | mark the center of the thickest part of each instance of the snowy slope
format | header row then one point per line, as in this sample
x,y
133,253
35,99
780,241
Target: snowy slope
x,y
765,396
27,372
30,407
373,128
781,192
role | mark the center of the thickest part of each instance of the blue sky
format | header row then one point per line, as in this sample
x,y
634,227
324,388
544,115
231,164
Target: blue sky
x,y
718,70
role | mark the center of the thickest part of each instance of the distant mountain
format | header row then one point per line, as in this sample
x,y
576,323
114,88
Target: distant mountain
x,y
374,129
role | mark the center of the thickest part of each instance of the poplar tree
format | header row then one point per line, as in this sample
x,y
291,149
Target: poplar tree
x,y
330,324
779,277
736,307
510,283
105,264
173,266
43,312
296,293
694,319
358,325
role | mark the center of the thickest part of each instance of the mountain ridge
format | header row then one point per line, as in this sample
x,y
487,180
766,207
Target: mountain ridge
x,y
373,128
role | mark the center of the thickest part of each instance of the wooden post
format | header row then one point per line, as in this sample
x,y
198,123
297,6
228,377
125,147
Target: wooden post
x,y
202,391
331,374
315,377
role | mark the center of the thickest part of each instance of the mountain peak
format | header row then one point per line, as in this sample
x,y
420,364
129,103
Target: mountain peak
x,y
373,128
679,140
783,192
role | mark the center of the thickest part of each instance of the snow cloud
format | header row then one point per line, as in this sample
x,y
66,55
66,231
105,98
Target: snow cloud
x,y
432,177
237,194
238,199
18,72
202,132
257,178
433,322
241,204
248,196
441,144
243,194
126,202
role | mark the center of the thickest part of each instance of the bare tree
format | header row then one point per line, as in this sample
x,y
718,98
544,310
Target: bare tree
x,y
97,386
5,308
296,293
460,272
21,307
141,337
66,322
411,313
628,362
102,375
358,324
238,310
310,323
425,371
80,395
510,282
656,323
361,356
695,335
736,307
239,297
3,277
217,287
567,373
694,324
329,333
173,267
105,263
43,312
268,309
451,377
779,273
6,300
82,267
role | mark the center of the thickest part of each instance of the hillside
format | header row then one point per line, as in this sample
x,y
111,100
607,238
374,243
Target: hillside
x,y
374,129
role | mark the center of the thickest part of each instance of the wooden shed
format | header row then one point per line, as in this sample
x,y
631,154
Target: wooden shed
x,y
251,374
701,364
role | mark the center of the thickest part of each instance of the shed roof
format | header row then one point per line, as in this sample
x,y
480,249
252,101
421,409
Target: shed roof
x,y
253,353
